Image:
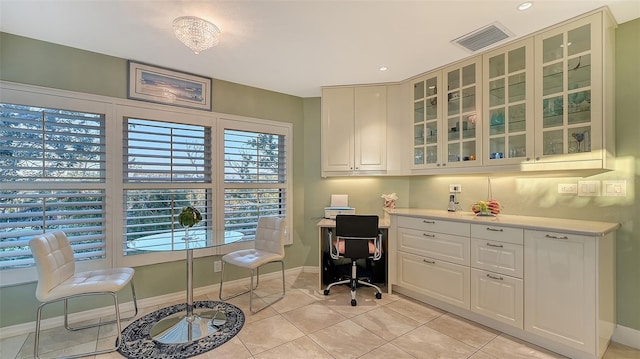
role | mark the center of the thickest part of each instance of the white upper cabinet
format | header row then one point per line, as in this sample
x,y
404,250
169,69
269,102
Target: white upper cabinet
x,y
542,103
508,126
573,93
354,123
446,109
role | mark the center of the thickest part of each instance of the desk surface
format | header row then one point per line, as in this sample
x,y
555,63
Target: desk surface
x,y
174,241
331,223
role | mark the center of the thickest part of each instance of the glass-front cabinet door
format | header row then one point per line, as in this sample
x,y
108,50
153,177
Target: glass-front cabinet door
x,y
569,91
508,128
426,121
462,116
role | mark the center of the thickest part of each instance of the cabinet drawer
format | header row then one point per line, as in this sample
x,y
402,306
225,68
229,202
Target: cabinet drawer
x,y
435,225
498,233
497,296
454,249
500,257
438,279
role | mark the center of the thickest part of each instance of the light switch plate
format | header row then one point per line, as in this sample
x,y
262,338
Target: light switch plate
x,y
589,188
614,188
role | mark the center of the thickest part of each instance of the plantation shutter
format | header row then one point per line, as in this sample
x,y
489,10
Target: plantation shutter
x,y
255,179
52,177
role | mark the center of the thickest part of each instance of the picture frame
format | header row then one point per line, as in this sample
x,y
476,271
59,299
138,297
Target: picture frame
x,y
170,87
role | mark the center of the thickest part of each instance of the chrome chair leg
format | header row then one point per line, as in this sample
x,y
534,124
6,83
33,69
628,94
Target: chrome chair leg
x,y
66,311
252,288
36,342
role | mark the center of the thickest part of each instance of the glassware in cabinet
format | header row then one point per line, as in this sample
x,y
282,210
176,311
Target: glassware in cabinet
x,y
508,110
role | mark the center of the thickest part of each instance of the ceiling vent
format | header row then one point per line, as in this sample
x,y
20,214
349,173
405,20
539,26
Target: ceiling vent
x,y
483,37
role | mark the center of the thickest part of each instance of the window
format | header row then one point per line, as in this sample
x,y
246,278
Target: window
x,y
52,177
166,167
108,172
256,176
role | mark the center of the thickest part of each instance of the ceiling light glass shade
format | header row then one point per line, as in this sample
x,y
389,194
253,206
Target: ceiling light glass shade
x,y
196,33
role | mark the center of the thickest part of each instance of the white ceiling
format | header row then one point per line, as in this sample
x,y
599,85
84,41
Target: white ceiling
x,y
293,47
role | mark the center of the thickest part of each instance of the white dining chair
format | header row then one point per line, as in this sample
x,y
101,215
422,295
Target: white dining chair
x,y
59,281
268,248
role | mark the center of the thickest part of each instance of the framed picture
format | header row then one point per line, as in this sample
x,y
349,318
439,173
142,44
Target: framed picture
x,y
160,85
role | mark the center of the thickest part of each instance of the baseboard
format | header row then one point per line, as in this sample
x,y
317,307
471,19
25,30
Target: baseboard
x,y
126,308
626,336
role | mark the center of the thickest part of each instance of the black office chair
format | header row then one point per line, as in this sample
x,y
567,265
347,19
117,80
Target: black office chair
x,y
356,237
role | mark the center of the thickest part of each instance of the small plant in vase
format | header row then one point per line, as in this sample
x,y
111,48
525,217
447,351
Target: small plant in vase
x,y
189,217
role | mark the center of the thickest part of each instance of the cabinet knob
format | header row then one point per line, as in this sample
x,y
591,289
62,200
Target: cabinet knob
x,y
444,164
437,165
528,159
537,158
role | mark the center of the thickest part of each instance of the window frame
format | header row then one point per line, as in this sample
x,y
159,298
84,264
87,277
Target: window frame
x,y
259,126
114,110
57,99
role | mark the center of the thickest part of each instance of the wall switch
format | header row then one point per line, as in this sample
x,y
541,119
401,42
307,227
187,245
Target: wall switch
x,y
455,188
589,188
217,266
614,188
568,188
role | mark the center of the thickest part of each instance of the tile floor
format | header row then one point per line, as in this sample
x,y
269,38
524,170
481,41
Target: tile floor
x,y
306,324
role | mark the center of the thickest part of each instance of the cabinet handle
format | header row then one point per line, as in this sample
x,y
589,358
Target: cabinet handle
x,y
495,245
495,229
428,261
428,222
429,235
556,237
494,277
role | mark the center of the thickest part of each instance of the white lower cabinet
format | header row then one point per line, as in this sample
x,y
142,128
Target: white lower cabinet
x,y
497,263
497,296
566,295
552,288
436,278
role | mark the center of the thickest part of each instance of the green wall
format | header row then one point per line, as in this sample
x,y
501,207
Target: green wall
x,y
75,70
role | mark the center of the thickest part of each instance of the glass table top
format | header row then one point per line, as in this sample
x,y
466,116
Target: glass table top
x,y
176,241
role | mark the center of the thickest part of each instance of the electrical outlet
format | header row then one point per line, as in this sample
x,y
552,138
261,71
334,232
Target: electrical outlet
x,y
614,188
455,188
217,266
568,188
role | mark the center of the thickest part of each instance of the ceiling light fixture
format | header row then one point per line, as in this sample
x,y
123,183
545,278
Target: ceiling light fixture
x,y
525,6
383,68
196,33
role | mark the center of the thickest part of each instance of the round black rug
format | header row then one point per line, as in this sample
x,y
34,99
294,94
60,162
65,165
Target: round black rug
x,y
137,342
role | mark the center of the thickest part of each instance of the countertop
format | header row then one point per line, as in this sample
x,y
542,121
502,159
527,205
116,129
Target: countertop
x,y
571,226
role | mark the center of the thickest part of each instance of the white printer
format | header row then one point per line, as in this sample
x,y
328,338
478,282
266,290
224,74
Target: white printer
x,y
332,212
339,205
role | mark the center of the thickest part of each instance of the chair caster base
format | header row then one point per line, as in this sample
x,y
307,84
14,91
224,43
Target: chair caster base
x,y
353,302
378,295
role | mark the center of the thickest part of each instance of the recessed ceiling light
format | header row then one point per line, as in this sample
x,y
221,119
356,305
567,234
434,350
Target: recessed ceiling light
x,y
383,68
525,6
